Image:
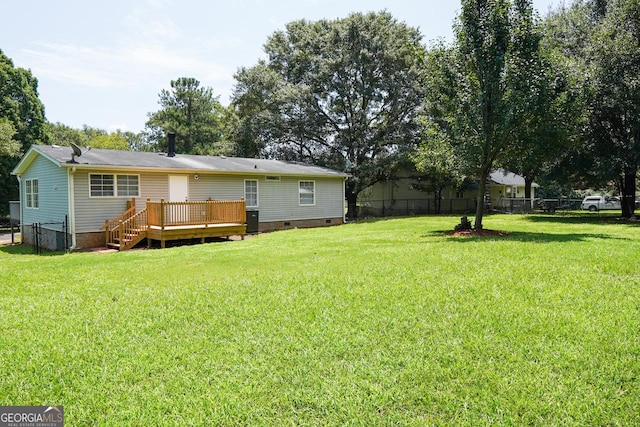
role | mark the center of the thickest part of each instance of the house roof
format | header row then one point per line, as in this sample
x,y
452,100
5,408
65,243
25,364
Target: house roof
x,y
127,160
502,177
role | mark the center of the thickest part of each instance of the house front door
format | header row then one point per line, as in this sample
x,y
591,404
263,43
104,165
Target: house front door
x,y
178,192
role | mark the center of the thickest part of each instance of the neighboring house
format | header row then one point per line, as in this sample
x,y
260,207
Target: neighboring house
x,y
84,191
401,196
506,192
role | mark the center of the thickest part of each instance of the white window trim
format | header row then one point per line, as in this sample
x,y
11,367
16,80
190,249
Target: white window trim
x,y
115,186
257,193
26,195
314,193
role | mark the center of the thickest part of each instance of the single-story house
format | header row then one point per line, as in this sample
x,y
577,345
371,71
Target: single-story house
x,y
402,195
506,192
69,194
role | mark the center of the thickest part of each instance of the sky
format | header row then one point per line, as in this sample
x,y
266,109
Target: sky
x,y
104,63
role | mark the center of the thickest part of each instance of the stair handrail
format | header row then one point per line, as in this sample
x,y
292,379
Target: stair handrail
x,y
110,224
135,226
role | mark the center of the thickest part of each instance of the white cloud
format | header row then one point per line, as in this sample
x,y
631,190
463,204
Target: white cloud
x,y
79,65
119,66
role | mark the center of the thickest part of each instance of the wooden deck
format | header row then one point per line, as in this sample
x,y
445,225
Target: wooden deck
x,y
165,221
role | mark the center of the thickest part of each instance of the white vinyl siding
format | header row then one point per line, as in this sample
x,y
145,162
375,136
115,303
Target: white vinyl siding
x,y
278,200
251,193
90,212
307,193
51,194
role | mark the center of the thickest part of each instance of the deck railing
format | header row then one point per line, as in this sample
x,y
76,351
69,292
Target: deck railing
x,y
167,214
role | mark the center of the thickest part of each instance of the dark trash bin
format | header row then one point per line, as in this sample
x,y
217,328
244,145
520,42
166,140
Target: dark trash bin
x,y
252,222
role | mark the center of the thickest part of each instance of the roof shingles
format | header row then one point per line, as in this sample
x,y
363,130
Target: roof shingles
x,y
94,158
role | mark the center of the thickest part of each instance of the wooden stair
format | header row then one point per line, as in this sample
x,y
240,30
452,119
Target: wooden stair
x,y
126,230
128,240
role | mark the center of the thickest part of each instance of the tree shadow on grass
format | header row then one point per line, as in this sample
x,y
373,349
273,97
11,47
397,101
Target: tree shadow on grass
x,y
586,218
527,237
20,249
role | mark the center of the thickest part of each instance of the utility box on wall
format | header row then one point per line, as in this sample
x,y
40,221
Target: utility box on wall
x,y
14,213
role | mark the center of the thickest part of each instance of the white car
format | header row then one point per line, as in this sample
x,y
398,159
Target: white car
x,y
596,203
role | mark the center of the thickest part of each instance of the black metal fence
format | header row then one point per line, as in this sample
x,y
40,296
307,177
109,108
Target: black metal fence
x,y
49,235
402,207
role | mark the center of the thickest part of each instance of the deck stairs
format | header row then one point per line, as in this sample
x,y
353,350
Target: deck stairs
x,y
126,230
128,240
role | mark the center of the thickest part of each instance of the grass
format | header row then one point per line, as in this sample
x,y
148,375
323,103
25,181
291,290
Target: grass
x,y
386,322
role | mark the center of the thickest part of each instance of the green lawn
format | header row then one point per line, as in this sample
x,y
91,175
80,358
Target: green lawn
x,y
386,322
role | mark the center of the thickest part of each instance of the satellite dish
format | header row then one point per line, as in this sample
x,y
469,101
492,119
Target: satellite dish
x,y
76,149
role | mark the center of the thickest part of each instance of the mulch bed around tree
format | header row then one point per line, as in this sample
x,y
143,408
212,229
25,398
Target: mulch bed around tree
x,y
479,233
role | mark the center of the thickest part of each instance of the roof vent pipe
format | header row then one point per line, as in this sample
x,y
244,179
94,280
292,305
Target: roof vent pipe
x,y
171,145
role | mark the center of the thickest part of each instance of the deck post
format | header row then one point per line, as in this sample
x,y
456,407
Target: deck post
x,y
106,232
162,216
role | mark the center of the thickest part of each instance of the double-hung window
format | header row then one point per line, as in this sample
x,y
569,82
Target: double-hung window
x,y
307,193
251,193
31,193
109,185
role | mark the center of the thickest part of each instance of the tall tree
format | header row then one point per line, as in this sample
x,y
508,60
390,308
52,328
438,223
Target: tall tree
x,y
22,115
601,39
193,113
568,40
343,93
554,104
8,145
488,93
435,157
615,120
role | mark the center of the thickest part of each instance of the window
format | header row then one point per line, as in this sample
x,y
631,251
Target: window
x,y
307,193
459,194
128,185
108,185
31,193
251,192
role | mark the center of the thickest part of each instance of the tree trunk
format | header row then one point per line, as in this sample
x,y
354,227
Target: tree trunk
x,y
352,205
482,186
628,201
528,180
437,200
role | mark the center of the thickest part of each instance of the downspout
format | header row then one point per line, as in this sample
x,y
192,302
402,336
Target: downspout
x,y
344,197
19,178
72,210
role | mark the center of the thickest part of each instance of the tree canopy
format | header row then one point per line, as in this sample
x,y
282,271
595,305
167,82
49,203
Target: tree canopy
x,y
599,39
484,91
22,122
345,93
194,114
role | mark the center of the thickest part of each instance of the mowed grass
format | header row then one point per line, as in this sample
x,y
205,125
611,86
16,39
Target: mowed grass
x,y
386,322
